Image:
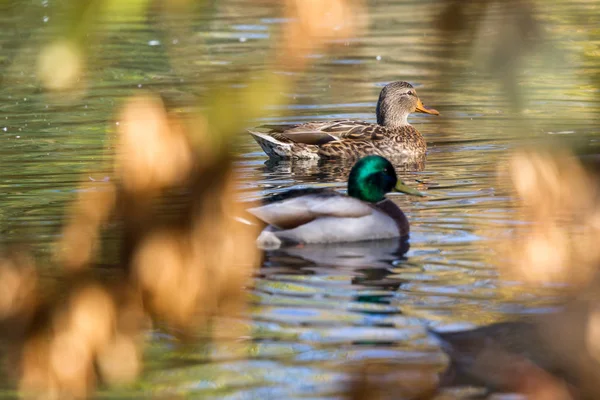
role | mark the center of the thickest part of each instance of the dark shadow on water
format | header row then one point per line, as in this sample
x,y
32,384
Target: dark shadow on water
x,y
307,171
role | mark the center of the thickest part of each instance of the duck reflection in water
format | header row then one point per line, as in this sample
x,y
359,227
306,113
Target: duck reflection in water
x,y
370,254
368,263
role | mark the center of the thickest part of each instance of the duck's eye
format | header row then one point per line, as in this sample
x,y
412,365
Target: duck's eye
x,y
410,93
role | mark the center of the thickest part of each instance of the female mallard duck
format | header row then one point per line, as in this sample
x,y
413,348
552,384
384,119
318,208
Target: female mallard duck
x,y
392,135
323,215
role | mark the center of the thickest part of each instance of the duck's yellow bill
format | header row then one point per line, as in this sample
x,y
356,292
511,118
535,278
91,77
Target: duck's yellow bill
x,y
402,188
422,109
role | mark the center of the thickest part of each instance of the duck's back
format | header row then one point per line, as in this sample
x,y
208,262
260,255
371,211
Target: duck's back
x,y
289,194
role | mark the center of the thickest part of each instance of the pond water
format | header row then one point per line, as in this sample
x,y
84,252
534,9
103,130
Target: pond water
x,y
315,308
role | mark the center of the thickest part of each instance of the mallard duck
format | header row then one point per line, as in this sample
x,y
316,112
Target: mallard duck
x,y
323,215
392,136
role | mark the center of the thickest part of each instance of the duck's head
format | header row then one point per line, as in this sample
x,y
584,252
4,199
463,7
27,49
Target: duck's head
x,y
396,101
374,176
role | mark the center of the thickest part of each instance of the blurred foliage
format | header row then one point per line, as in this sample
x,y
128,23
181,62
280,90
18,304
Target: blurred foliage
x,y
179,269
556,198
515,33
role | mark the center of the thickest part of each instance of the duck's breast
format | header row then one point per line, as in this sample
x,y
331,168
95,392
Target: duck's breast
x,y
390,208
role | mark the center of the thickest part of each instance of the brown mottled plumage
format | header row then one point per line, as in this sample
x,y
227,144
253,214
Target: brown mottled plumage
x,y
392,136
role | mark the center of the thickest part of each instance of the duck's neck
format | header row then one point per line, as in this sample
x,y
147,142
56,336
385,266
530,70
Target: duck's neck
x,y
390,117
396,121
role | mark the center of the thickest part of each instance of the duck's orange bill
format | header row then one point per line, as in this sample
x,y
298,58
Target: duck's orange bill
x,y
421,108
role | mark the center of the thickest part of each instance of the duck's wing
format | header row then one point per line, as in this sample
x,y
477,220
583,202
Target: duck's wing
x,y
291,209
399,142
319,133
359,130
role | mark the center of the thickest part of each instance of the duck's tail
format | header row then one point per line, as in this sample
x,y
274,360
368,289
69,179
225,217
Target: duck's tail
x,y
275,148
271,146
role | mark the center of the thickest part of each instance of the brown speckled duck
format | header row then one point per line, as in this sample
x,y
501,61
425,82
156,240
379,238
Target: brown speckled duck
x,y
392,136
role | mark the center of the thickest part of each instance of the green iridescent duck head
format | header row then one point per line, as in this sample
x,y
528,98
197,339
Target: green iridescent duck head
x,y
396,101
372,177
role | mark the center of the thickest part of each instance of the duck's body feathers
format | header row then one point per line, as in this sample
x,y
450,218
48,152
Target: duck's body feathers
x,y
303,206
326,216
338,139
328,229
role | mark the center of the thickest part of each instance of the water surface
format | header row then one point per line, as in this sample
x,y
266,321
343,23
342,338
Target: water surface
x,y
314,309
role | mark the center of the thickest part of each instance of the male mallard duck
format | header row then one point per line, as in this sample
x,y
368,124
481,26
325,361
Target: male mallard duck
x,y
391,136
323,215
